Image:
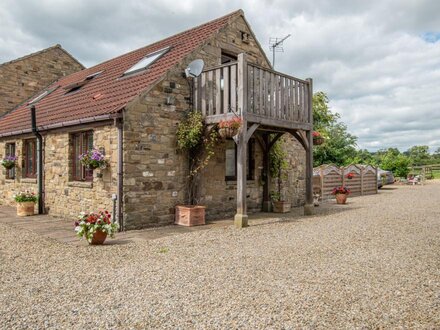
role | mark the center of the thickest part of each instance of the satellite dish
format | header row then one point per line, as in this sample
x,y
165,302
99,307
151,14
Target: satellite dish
x,y
195,68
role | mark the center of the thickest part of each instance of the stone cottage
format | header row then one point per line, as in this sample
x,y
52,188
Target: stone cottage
x,y
129,108
27,75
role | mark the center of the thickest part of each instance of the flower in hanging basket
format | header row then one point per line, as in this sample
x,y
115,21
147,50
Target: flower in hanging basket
x,y
9,162
317,138
350,176
340,190
90,225
93,159
229,128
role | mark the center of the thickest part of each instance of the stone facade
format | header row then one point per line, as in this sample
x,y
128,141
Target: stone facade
x,y
63,196
155,175
22,78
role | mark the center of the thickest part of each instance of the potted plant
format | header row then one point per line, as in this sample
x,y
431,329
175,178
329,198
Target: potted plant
x,y
279,205
349,176
341,194
93,159
95,227
318,139
278,165
229,128
194,138
25,203
9,162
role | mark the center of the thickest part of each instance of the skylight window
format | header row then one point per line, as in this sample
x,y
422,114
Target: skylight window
x,y
146,61
39,97
42,95
78,85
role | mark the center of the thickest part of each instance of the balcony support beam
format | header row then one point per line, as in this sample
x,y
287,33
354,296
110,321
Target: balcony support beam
x,y
308,207
241,217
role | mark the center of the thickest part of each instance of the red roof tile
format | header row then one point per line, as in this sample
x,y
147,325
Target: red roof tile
x,y
108,93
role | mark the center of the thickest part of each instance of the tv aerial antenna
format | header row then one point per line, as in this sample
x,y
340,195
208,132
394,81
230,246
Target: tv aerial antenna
x,y
276,45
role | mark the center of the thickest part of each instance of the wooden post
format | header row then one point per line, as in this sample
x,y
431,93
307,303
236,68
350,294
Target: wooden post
x,y
362,180
241,217
308,207
266,173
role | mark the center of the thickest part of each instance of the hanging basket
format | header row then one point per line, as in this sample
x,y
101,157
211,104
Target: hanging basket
x,y
8,166
227,132
318,141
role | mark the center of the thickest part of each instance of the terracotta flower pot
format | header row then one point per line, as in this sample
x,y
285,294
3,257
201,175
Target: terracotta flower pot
x,y
25,209
98,238
190,215
281,206
341,198
227,132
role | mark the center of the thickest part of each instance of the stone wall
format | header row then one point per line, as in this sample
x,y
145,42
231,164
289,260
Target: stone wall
x,y
64,197
22,78
155,175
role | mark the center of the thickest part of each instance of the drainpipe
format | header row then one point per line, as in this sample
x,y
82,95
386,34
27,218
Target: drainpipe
x,y
39,160
120,186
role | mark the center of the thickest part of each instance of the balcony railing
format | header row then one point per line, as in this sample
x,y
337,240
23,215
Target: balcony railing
x,y
269,98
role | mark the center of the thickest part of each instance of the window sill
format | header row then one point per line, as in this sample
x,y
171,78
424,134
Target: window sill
x,y
234,182
80,184
28,180
9,180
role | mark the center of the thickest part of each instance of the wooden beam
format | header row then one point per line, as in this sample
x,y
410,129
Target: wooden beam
x,y
267,205
301,139
274,140
309,208
263,120
218,93
251,131
241,217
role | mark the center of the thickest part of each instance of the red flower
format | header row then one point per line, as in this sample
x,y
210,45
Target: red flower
x,y
316,134
340,190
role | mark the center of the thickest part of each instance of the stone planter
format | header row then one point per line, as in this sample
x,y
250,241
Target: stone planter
x,y
98,238
25,209
190,215
227,132
281,206
341,198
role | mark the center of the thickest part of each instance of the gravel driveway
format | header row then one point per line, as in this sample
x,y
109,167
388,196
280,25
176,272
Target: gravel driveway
x,y
374,263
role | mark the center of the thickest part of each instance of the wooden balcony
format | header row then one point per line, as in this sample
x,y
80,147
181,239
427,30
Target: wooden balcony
x,y
267,102
258,95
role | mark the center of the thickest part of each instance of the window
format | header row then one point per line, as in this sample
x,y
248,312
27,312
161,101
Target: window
x,y
42,95
231,161
78,85
146,61
82,142
30,158
227,58
10,151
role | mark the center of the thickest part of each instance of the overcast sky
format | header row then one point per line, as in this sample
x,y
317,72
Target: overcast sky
x,y
378,61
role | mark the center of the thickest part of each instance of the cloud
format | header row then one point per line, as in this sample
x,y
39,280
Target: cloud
x,y
378,61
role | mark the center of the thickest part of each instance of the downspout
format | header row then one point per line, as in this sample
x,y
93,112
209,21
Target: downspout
x,y
120,179
39,160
